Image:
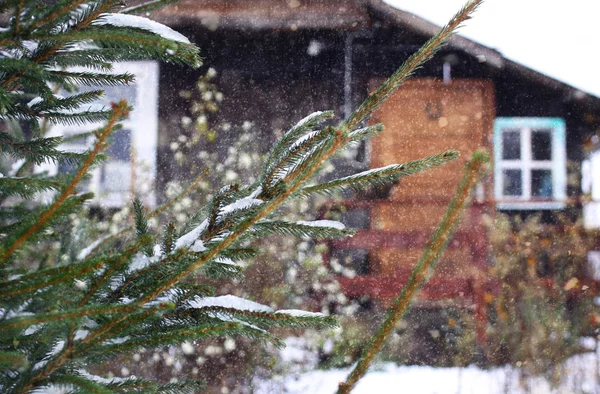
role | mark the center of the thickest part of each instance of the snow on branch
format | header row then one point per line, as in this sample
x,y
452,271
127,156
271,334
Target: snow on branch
x,y
139,22
299,313
323,223
192,238
230,302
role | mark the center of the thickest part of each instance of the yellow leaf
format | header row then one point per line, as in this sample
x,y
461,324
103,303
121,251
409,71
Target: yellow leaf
x,y
571,284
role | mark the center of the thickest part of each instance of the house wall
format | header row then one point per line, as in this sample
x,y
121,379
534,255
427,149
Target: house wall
x,y
273,78
425,117
521,98
270,80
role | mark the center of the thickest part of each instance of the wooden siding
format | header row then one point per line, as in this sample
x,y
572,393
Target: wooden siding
x,y
425,117
267,14
422,118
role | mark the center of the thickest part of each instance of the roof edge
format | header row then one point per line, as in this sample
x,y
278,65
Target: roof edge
x,y
490,56
422,26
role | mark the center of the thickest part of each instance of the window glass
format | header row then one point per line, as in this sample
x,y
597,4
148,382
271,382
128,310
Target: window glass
x,y
541,144
67,167
541,183
512,183
120,147
113,94
511,145
115,177
355,259
358,218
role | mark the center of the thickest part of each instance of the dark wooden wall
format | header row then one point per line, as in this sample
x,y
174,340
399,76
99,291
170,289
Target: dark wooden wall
x,y
268,77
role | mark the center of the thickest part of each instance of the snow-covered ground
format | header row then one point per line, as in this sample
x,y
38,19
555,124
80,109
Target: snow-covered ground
x,y
580,376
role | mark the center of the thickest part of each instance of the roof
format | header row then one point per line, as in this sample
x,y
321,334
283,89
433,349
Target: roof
x,y
343,15
491,56
268,14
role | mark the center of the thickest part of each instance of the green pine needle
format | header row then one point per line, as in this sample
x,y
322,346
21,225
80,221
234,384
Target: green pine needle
x,y
380,176
314,230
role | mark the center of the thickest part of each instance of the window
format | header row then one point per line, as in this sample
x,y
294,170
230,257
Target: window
x,y
130,168
590,186
530,163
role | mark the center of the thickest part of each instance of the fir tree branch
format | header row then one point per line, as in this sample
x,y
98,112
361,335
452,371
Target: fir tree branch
x,y
168,244
413,63
264,210
130,39
12,360
301,229
143,8
137,313
67,103
26,187
64,315
48,277
72,348
49,51
91,79
16,23
262,319
119,110
37,151
382,175
86,385
431,254
168,337
154,213
59,10
297,155
108,273
295,132
129,281
139,215
366,132
182,387
28,218
76,117
293,175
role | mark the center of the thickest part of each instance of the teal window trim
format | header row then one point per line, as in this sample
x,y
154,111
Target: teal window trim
x,y
525,165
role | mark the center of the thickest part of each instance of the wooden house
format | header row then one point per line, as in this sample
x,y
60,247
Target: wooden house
x,y
279,60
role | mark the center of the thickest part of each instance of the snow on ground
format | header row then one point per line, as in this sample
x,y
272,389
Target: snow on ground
x,y
579,377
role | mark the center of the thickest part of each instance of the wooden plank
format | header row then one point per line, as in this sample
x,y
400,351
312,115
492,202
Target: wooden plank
x,y
385,289
365,239
265,14
390,261
423,217
426,117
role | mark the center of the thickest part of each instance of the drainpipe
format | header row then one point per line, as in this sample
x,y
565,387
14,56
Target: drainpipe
x,y
449,61
363,151
348,49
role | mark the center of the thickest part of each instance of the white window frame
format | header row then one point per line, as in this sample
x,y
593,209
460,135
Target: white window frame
x,y
590,186
143,124
558,163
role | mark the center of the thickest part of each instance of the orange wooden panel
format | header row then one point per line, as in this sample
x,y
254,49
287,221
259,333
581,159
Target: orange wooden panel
x,y
455,262
406,218
417,217
425,117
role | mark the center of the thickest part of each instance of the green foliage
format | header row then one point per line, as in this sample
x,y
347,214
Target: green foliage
x,y
544,304
124,292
